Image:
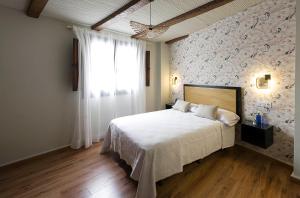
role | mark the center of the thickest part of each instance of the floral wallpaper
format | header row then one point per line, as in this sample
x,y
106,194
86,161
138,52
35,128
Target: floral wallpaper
x,y
237,50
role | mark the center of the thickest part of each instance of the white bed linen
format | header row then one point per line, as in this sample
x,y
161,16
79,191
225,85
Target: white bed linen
x,y
158,144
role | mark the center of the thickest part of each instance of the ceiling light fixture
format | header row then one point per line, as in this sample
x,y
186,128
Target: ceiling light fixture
x,y
148,31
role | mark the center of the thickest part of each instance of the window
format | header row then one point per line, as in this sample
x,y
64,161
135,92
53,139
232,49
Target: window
x,y
114,69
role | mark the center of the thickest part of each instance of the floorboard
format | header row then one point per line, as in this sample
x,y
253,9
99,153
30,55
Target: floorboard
x,y
234,172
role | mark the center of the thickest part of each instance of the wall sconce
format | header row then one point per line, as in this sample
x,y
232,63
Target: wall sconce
x,y
263,82
174,80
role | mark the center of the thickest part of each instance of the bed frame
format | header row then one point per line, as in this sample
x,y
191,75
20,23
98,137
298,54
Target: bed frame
x,y
228,98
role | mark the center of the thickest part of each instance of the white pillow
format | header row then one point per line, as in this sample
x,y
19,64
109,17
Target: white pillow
x,y
181,105
207,111
193,107
227,117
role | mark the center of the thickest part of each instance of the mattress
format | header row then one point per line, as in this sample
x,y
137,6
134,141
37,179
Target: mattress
x,y
158,144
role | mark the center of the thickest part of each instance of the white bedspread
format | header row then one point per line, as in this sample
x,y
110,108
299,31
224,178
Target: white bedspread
x,y
158,144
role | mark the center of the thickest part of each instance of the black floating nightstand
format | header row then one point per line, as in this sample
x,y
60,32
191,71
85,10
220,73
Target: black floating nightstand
x,y
261,136
169,105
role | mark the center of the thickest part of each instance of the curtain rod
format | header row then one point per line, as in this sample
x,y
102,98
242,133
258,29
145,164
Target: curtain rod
x,y
70,27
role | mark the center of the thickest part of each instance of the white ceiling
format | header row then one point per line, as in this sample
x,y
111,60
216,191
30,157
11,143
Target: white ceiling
x,y
88,12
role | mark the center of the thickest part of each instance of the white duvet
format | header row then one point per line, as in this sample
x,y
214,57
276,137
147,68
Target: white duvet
x,y
158,144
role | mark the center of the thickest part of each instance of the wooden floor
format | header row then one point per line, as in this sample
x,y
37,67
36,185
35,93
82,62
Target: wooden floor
x,y
234,172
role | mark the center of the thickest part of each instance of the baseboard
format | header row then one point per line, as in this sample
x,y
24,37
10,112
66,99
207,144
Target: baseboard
x,y
30,157
268,156
295,178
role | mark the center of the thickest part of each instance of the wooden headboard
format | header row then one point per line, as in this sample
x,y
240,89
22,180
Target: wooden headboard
x,y
228,98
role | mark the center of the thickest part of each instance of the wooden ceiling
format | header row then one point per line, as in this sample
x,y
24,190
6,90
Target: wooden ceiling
x,y
36,7
122,12
190,14
183,16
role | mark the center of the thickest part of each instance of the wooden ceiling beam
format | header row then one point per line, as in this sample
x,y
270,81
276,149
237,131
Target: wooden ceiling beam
x,y
36,7
190,14
122,12
176,39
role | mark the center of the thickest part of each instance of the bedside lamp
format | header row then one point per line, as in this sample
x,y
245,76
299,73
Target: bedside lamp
x,y
174,80
263,82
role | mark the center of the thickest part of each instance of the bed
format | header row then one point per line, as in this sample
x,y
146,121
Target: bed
x,y
158,144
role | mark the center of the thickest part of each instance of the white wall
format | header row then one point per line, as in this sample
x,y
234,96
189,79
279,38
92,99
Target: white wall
x,y
164,74
153,91
296,172
157,94
36,101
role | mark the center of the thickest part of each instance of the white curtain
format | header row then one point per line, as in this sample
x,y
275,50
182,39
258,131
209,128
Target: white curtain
x,y
111,82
